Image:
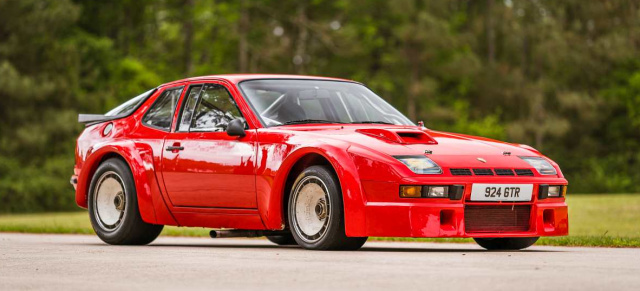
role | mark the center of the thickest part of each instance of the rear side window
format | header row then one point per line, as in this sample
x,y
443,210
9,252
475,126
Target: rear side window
x,y
161,112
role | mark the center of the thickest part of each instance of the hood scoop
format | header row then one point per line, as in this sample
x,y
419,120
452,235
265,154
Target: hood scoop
x,y
401,136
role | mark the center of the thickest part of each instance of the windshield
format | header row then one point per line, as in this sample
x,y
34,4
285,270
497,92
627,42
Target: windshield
x,y
129,106
281,102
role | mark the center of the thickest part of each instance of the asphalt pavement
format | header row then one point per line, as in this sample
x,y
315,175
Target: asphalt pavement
x,y
83,262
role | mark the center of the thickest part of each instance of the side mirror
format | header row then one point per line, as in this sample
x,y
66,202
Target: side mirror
x,y
236,128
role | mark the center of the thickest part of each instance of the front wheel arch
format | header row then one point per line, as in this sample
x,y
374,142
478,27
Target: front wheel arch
x,y
308,160
328,231
342,166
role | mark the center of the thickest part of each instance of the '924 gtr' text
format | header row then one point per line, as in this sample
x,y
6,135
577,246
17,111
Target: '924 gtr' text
x,y
502,192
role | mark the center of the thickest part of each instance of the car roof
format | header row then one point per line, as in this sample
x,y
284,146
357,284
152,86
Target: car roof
x,y
237,78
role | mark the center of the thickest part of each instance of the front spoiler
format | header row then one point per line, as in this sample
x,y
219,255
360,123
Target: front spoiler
x,y
425,220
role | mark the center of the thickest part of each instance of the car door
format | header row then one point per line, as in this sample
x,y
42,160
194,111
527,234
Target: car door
x,y
202,166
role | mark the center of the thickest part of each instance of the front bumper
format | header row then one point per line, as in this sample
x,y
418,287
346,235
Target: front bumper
x,y
431,217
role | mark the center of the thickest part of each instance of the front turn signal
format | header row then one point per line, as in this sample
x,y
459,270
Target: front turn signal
x,y
410,191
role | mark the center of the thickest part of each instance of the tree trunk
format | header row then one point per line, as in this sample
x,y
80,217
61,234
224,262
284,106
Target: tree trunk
x,y
491,34
301,46
243,44
187,30
525,51
414,87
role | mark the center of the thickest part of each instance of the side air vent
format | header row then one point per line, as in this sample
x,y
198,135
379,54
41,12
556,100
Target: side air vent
x,y
504,172
460,172
524,172
483,172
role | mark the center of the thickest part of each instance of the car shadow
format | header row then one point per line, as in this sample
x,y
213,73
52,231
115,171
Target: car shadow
x,y
443,250
224,246
365,249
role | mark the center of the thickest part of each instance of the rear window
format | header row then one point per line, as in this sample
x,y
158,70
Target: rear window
x,y
161,112
130,106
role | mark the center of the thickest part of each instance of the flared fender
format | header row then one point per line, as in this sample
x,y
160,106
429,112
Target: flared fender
x,y
271,206
139,157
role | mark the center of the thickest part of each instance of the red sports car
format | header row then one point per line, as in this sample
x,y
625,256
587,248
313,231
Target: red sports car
x,y
319,162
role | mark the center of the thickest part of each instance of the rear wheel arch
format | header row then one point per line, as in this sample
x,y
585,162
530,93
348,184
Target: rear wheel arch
x,y
146,207
92,167
113,183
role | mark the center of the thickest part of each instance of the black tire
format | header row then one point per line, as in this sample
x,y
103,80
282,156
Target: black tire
x,y
332,236
130,229
506,243
282,240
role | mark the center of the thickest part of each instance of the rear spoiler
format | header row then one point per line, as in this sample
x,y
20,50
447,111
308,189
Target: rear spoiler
x,y
89,119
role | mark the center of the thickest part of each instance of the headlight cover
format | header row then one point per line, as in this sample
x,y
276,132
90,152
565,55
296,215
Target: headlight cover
x,y
420,164
541,165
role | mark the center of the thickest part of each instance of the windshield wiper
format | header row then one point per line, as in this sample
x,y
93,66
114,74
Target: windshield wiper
x,y
303,121
372,122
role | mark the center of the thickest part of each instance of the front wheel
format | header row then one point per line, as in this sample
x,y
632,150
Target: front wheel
x,y
113,206
506,243
316,213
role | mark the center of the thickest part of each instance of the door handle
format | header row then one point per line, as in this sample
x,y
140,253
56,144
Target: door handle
x,y
174,148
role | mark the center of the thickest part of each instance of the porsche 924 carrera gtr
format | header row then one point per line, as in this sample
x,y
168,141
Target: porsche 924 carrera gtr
x,y
320,162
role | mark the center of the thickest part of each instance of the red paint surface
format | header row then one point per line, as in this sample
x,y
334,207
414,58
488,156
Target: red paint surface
x,y
219,181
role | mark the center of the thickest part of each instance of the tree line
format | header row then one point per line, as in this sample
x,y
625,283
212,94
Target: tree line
x,y
561,76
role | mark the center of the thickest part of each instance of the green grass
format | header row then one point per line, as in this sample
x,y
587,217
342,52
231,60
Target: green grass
x,y
606,220
72,223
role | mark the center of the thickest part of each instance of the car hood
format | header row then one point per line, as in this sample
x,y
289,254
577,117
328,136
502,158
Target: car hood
x,y
447,149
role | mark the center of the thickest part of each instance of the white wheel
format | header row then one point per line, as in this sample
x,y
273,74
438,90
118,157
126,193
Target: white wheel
x,y
113,206
316,214
312,209
110,201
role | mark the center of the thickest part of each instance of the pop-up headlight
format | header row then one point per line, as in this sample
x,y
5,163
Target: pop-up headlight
x,y
420,164
541,165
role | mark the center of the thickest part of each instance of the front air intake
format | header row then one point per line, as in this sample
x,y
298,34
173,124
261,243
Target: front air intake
x,y
460,172
497,218
524,172
504,172
483,172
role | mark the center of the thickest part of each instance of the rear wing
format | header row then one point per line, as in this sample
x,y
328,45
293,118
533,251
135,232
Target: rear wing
x,y
89,119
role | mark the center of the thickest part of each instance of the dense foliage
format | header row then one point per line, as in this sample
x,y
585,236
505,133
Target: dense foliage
x,y
562,76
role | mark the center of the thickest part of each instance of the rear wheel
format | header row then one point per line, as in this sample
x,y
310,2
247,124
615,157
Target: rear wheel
x,y
282,240
316,214
506,243
113,206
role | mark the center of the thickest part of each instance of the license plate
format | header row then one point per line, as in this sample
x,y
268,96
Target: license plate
x,y
501,192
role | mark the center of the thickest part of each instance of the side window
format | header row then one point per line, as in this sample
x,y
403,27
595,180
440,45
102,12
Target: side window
x,y
160,114
214,110
189,107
